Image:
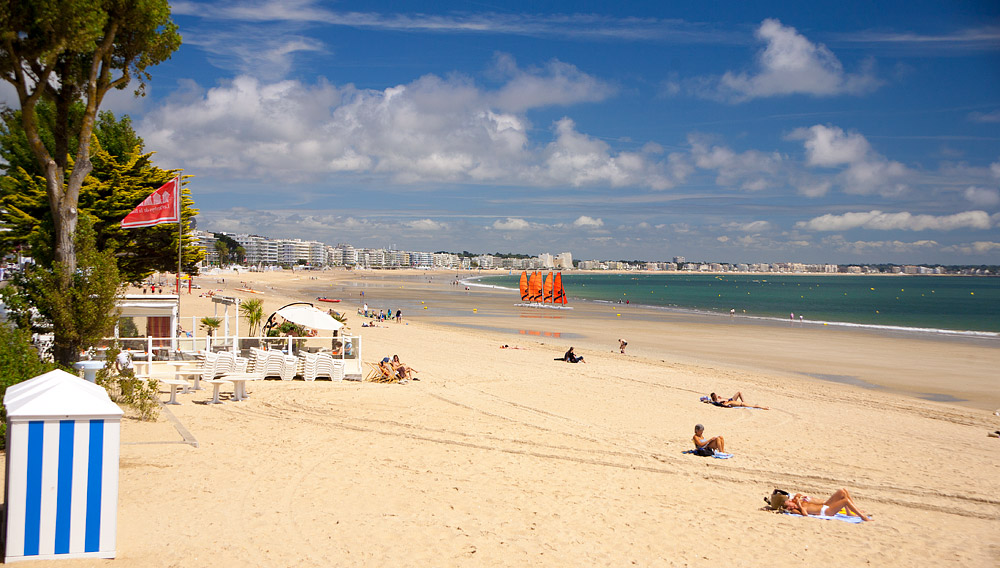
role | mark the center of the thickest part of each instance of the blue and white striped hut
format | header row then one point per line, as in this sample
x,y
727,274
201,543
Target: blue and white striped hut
x,y
63,436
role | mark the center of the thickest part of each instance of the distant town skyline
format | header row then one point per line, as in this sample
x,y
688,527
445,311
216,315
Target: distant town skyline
x,y
844,132
263,249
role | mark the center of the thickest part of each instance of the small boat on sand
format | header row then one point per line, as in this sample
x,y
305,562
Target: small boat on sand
x,y
322,299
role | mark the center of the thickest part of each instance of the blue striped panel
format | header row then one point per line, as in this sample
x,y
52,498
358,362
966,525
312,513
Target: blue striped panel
x,y
64,493
95,478
33,490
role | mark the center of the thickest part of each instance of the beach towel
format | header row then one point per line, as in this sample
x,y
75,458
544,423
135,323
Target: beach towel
x,y
839,516
716,455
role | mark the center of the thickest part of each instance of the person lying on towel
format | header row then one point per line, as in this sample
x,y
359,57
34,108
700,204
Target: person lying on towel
x,y
805,505
735,401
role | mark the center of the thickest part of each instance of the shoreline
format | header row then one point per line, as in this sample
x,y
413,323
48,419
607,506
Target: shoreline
x,y
473,281
946,367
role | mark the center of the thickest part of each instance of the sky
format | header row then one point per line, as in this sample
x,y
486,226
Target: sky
x,y
846,132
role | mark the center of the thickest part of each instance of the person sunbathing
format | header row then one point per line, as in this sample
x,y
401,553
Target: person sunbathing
x,y
402,370
841,499
736,401
388,371
716,443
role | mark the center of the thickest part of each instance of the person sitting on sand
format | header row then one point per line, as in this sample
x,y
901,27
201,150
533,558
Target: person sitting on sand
x,y
402,370
841,499
571,357
735,401
716,443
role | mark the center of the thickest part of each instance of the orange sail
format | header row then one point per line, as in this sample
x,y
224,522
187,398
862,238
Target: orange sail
x,y
524,285
558,294
547,289
534,287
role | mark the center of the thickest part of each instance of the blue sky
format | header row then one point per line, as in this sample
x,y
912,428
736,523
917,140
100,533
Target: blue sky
x,y
817,131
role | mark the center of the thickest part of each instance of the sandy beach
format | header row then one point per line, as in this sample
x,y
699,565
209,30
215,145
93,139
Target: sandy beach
x,y
507,457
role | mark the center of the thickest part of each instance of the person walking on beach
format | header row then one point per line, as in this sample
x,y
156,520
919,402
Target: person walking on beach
x,y
621,345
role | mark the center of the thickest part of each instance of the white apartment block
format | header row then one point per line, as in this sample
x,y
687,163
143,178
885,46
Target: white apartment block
x,y
445,260
564,261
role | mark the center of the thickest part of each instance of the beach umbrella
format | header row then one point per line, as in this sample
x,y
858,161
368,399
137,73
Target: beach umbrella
x,y
310,317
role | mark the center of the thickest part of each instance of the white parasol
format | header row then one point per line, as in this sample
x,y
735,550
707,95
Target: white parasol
x,y
310,317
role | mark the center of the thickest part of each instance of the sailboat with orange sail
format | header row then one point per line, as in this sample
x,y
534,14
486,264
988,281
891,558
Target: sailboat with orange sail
x,y
542,291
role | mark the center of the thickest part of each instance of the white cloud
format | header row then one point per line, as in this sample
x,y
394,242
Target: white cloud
x,y
751,227
877,220
512,224
580,160
995,168
866,171
589,222
986,117
557,83
830,146
880,247
426,225
430,130
982,197
791,64
580,26
750,170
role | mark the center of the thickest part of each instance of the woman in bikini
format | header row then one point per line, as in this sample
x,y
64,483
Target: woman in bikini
x,y
402,370
804,505
717,443
736,401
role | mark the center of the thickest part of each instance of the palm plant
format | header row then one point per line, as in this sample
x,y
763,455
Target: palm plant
x,y
210,324
252,310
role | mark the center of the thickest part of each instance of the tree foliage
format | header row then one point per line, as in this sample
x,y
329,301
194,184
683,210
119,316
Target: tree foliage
x,y
67,51
253,311
84,312
122,176
20,362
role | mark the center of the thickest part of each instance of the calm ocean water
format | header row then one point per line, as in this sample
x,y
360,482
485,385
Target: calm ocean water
x,y
934,303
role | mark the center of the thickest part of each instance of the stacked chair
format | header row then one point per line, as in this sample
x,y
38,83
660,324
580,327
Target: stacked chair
x,y
281,365
316,365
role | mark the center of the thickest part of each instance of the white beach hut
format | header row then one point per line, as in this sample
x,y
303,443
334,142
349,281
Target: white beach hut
x,y
61,495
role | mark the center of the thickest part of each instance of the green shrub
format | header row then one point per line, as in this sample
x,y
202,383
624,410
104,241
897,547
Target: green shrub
x,y
20,361
140,395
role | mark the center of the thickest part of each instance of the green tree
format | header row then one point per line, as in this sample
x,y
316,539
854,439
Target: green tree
x,y
81,314
223,251
123,175
71,50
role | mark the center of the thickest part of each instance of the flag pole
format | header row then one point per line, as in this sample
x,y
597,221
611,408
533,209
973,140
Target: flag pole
x,y
180,248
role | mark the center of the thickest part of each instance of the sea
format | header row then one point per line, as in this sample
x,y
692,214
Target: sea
x,y
955,305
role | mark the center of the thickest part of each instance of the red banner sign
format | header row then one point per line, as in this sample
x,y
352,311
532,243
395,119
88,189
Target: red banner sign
x,y
162,206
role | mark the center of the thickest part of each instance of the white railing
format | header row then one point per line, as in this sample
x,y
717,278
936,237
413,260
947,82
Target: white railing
x,y
346,348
